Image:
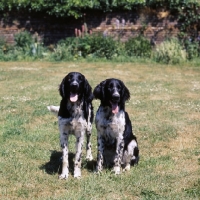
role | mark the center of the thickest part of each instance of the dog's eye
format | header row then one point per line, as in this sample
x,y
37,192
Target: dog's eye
x,y
70,78
119,87
79,78
111,86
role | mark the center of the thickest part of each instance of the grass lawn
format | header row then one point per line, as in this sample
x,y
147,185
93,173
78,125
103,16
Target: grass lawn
x,y
165,113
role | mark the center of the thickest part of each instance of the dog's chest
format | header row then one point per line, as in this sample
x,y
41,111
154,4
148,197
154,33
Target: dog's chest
x,y
110,125
76,121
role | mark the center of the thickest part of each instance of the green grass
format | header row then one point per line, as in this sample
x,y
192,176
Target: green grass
x,y
165,113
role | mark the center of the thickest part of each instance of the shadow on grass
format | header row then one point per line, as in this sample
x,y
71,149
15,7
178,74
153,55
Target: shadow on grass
x,y
55,163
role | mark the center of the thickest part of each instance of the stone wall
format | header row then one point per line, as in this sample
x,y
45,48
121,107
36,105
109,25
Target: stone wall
x,y
154,24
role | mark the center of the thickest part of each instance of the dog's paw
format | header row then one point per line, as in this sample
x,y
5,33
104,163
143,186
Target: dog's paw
x,y
98,173
77,172
127,168
89,157
63,176
116,170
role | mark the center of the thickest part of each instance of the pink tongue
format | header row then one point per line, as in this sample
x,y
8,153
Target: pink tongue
x,y
73,97
115,108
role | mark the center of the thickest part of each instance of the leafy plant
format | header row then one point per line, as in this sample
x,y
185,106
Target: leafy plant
x,y
91,45
61,52
170,52
99,46
138,47
191,45
5,48
65,8
23,40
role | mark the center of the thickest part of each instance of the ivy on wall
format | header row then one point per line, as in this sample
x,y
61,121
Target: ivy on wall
x,y
75,8
62,8
188,11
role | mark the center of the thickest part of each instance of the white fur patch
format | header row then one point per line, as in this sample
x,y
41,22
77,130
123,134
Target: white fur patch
x,y
110,125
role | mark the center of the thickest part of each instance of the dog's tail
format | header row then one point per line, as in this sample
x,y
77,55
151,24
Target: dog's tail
x,y
54,109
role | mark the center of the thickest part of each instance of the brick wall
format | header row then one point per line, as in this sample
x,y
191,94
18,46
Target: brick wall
x,y
154,24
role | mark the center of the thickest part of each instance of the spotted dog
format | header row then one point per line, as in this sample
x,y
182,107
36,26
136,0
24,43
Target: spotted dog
x,y
75,116
117,146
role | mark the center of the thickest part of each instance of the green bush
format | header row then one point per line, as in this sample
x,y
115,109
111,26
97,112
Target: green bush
x,y
192,48
138,47
62,52
95,46
102,47
65,49
170,52
28,46
23,40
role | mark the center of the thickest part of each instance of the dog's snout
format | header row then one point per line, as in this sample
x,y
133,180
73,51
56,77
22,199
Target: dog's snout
x,y
74,85
116,96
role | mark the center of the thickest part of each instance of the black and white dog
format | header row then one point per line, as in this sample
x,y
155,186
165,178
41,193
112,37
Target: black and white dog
x,y
75,116
117,146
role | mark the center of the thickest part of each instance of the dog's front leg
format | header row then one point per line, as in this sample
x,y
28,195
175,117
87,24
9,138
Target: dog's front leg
x,y
88,147
118,155
78,156
65,162
100,142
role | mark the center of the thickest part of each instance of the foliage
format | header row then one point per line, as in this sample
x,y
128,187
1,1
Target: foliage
x,y
192,48
23,40
170,52
29,45
98,46
138,47
188,12
64,50
88,46
76,8
26,47
3,45
66,7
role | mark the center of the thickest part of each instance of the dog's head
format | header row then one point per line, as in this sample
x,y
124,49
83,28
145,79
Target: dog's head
x,y
112,92
75,87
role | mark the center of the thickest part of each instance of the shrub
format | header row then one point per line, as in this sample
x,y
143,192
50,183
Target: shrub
x,y
28,47
6,51
23,40
192,48
98,46
65,49
169,52
95,46
61,52
138,47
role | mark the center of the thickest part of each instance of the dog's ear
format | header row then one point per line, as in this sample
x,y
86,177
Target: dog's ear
x,y
62,88
88,91
125,93
99,91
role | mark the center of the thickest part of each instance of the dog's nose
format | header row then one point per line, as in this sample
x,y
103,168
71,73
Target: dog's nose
x,y
115,97
74,85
